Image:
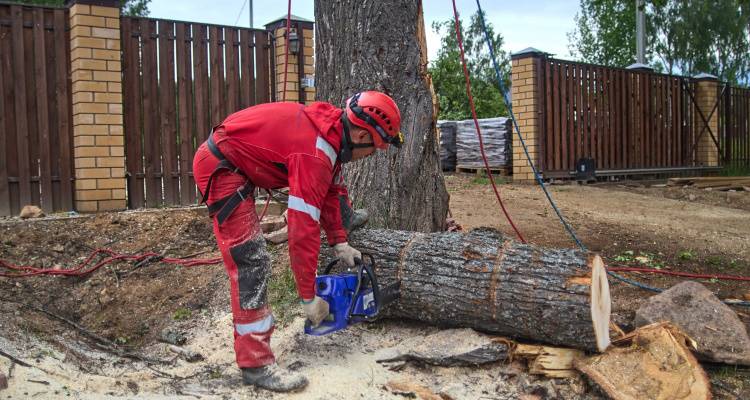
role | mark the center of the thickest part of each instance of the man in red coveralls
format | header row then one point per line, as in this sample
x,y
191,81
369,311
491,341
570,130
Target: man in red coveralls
x,y
279,145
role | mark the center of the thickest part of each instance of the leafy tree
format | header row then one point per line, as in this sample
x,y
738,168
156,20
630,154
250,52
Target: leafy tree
x,y
686,37
133,8
448,77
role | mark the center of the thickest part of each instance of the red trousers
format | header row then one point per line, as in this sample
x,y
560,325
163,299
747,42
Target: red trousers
x,y
247,263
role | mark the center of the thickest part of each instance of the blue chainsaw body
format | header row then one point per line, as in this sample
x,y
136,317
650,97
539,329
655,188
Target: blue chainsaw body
x,y
352,297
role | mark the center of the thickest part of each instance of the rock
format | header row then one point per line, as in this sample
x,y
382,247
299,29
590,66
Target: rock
x,y
720,334
172,336
450,347
277,237
272,223
30,211
3,381
691,197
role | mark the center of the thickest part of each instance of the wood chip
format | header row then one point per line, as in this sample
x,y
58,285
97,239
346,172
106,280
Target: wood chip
x,y
405,388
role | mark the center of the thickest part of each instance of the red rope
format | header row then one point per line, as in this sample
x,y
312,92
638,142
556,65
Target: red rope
x,y
683,274
86,268
476,124
286,48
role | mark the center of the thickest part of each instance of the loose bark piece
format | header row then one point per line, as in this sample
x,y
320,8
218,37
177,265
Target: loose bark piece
x,y
412,389
185,354
484,281
3,381
720,334
448,348
552,362
656,364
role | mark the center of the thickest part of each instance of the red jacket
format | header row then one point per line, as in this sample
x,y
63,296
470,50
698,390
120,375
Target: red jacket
x,y
291,145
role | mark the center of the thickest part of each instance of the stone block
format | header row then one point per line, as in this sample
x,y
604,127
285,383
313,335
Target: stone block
x,y
114,87
88,64
85,184
113,23
111,183
110,162
81,74
107,76
112,12
114,66
86,206
79,141
109,140
89,108
113,44
113,205
108,119
91,151
95,194
83,97
83,119
100,54
90,130
107,98
76,9
89,42
89,86
87,20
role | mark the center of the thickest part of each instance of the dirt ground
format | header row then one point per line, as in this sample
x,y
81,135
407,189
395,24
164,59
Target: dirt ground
x,y
131,306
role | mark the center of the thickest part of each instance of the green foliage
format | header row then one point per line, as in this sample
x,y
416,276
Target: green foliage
x,y
448,77
282,294
686,255
681,37
133,8
181,314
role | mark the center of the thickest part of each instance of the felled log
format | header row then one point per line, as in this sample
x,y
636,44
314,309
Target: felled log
x,y
484,281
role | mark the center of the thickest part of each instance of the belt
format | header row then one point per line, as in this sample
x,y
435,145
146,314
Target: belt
x,y
224,207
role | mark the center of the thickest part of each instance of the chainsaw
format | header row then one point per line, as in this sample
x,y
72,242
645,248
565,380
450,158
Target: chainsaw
x,y
352,296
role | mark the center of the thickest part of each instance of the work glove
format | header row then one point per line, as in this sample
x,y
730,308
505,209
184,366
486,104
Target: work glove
x,y
346,253
316,310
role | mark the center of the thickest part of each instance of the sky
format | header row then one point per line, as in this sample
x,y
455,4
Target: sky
x,y
542,24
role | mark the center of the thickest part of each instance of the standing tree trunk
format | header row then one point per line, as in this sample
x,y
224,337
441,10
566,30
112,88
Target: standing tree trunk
x,y
380,45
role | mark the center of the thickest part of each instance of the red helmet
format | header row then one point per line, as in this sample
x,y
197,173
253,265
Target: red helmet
x,y
378,113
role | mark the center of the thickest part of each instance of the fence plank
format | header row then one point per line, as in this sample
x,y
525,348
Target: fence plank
x,y
42,114
216,47
151,141
557,100
184,119
167,111
549,149
200,70
11,140
5,204
247,55
132,96
232,69
262,65
64,110
22,127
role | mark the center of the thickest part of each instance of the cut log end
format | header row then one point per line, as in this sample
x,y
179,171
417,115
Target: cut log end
x,y
601,302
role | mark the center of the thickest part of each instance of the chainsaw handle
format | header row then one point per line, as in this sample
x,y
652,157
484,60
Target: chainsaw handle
x,y
367,269
357,261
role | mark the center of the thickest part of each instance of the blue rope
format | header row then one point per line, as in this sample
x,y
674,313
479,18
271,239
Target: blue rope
x,y
538,176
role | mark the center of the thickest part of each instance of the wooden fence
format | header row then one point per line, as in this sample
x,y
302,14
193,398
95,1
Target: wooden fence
x,y
624,119
35,124
181,79
734,124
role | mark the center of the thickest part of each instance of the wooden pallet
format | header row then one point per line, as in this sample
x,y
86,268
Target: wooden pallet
x,y
502,171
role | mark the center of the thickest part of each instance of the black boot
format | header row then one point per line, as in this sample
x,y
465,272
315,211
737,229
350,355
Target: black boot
x,y
273,377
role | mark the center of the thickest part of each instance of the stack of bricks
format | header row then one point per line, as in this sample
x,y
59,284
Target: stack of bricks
x,y
706,95
304,30
97,105
525,99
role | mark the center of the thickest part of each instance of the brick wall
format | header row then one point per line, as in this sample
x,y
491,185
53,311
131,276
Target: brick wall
x,y
98,141
304,31
525,101
706,95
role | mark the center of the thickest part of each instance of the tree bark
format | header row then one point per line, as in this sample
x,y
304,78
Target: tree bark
x,y
380,45
484,281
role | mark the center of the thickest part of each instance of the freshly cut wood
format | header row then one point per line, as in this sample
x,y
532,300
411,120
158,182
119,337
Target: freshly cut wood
x,y
655,364
487,282
552,362
413,390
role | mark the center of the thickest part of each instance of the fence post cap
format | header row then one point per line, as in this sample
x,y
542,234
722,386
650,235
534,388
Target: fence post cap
x,y
639,67
703,76
529,51
100,3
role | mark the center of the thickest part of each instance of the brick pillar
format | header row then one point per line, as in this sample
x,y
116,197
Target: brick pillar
x,y
526,106
97,105
300,87
706,95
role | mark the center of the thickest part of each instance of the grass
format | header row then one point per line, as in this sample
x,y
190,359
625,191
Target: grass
x,y
181,314
481,179
282,294
686,255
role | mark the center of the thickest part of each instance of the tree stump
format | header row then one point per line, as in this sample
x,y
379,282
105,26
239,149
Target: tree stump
x,y
487,282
